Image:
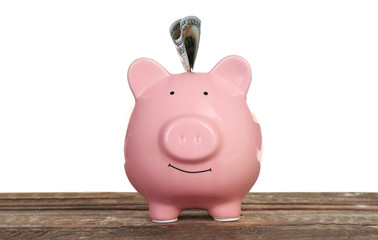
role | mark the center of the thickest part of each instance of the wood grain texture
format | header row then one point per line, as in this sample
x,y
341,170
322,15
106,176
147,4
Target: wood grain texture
x,y
125,216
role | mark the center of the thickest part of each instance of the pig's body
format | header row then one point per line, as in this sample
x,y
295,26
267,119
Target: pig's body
x,y
192,141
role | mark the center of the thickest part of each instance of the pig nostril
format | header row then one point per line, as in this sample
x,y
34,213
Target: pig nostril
x,y
198,138
183,138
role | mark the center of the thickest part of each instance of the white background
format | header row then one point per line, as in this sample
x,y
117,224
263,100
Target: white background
x,y
65,102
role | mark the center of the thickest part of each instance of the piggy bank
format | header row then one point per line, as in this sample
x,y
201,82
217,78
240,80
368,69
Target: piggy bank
x,y
192,142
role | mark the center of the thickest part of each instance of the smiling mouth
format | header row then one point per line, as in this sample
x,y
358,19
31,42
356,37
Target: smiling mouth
x,y
202,171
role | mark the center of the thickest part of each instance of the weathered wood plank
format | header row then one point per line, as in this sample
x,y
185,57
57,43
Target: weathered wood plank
x,y
9,201
125,216
131,218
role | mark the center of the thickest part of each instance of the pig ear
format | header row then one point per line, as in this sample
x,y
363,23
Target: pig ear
x,y
236,70
142,73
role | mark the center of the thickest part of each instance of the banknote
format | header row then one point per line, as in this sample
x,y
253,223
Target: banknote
x,y
185,34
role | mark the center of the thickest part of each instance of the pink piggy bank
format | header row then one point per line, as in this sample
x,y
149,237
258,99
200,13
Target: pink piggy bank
x,y
192,141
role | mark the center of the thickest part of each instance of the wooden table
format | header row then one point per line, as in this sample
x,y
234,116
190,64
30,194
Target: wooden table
x,y
125,216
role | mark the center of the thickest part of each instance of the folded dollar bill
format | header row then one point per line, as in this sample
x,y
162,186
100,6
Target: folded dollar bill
x,y
185,34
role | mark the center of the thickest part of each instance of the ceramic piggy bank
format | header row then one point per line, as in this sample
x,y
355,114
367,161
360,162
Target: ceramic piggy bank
x,y
192,141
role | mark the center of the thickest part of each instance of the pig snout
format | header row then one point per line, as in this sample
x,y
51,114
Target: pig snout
x,y
190,138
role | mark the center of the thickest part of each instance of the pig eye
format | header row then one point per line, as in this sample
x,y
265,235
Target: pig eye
x,y
205,93
172,92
